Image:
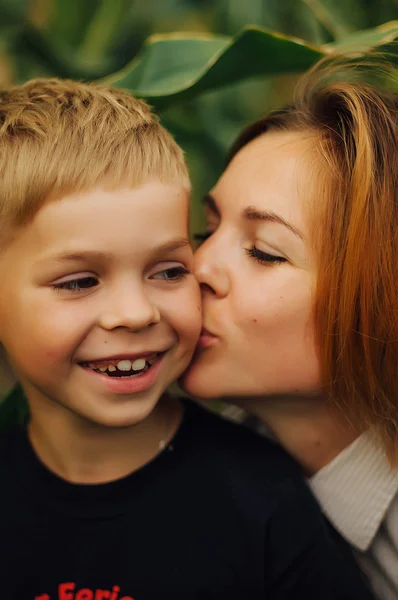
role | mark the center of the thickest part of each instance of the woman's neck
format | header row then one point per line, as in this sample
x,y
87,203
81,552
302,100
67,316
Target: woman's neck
x,y
308,428
82,452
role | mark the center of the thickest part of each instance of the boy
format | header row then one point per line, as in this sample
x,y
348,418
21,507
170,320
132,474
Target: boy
x,y
114,490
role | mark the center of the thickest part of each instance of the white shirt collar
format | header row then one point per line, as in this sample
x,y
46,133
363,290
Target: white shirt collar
x,y
356,489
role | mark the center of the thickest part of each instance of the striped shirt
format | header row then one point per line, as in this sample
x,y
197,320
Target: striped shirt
x,y
358,492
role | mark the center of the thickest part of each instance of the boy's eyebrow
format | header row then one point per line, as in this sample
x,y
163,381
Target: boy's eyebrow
x,y
171,246
77,256
87,255
209,201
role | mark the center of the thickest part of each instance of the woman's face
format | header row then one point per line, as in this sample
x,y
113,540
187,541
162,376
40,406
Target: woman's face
x,y
257,275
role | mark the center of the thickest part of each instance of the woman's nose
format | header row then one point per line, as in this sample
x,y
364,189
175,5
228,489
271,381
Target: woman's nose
x,y
210,272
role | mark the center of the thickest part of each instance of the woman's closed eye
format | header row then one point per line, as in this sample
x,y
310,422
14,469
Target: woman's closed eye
x,y
264,257
79,284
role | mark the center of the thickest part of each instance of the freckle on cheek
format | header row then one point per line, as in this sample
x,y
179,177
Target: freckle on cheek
x,y
254,320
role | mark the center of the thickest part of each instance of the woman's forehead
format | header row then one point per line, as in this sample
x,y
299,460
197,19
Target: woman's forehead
x,y
272,172
274,148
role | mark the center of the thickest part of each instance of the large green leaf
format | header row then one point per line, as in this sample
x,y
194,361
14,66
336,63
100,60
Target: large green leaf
x,y
182,66
292,17
339,17
342,17
69,21
178,66
383,38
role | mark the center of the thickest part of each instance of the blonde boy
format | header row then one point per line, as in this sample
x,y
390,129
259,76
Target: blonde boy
x,y
115,491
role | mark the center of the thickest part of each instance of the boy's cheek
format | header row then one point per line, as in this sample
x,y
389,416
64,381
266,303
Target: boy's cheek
x,y
190,312
191,334
44,347
34,361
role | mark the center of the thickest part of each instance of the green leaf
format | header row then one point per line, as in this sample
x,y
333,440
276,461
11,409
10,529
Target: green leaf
x,y
178,67
102,30
336,16
292,17
13,12
68,21
183,66
55,58
383,38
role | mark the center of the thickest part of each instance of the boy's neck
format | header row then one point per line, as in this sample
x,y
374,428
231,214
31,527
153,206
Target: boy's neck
x,y
88,454
307,428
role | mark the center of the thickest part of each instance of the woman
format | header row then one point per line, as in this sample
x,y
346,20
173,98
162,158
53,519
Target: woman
x,y
299,277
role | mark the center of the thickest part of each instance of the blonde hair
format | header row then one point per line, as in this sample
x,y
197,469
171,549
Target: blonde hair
x,y
355,235
58,136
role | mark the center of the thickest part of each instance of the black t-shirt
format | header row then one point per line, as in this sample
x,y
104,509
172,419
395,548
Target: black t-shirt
x,y
219,514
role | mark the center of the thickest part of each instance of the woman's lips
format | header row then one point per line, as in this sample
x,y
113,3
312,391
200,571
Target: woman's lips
x,y
206,339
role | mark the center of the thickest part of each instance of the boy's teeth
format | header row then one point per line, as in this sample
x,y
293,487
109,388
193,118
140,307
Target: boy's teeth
x,y
124,365
127,365
138,364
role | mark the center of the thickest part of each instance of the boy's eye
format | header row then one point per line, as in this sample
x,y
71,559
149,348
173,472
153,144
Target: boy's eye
x,y
77,285
264,257
171,274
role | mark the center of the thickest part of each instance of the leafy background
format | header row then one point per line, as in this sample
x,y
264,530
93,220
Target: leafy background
x,y
133,44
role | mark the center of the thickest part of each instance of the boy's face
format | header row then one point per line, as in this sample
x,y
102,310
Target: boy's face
x,y
99,312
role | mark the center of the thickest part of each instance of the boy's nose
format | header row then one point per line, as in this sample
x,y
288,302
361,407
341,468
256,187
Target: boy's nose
x,y
133,311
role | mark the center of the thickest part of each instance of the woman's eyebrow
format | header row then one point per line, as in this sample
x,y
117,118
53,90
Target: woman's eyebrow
x,y
210,202
252,213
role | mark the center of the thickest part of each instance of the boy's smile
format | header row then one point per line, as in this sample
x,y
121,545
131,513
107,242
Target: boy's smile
x,y
99,312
